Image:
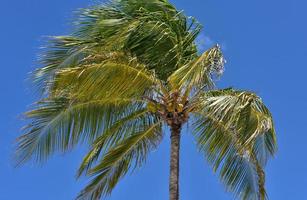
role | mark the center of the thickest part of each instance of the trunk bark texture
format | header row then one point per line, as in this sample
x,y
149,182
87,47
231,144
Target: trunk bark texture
x,y
174,163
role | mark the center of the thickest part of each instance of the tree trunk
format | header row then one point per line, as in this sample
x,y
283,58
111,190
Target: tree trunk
x,y
174,163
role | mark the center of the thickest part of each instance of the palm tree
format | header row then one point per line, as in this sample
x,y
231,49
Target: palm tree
x,y
128,68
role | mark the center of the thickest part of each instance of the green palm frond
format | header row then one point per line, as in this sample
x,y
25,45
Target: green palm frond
x,y
102,80
119,130
228,127
60,52
221,149
59,124
240,109
198,72
128,153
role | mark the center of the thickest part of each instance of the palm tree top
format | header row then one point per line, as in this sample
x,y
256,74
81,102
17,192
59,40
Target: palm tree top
x,y
128,68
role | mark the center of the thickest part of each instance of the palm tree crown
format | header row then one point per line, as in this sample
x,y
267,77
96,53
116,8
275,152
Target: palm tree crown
x,y
129,67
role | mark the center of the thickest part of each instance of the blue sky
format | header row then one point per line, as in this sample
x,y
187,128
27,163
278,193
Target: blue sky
x,y
265,45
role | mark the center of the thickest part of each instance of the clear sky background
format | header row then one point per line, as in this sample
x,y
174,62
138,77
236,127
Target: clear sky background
x,y
265,44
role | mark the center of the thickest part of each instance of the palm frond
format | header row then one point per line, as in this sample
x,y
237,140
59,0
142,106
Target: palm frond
x,y
228,127
60,52
198,72
59,124
119,130
103,80
220,147
242,110
127,154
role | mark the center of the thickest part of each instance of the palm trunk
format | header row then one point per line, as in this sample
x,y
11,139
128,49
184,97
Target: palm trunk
x,y
174,163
